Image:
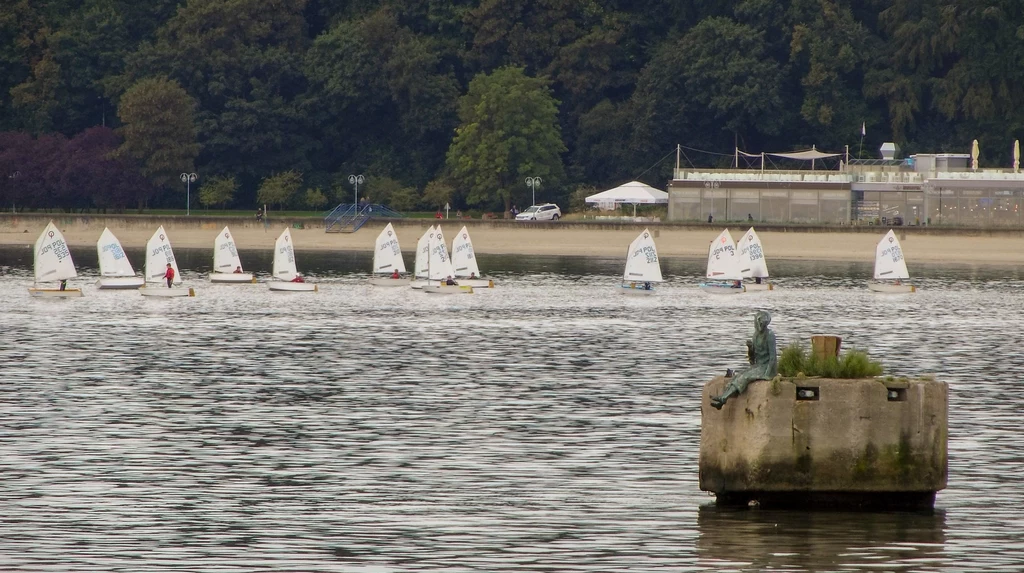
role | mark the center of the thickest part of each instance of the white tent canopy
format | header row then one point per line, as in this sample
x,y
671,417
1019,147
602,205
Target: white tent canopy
x,y
633,193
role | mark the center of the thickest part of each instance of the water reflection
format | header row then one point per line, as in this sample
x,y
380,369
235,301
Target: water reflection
x,y
755,540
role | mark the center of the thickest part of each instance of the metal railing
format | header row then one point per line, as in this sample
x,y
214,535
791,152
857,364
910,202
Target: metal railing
x,y
348,217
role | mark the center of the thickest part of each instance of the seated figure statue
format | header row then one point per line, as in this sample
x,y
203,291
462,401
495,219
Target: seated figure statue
x,y
764,363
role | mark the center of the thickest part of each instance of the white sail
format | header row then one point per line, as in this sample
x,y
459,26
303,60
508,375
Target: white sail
x,y
158,255
284,257
439,262
113,260
422,264
225,254
642,263
723,261
52,256
752,263
889,261
463,257
387,255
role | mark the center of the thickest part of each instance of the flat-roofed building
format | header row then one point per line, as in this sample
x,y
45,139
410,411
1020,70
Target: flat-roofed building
x,y
935,189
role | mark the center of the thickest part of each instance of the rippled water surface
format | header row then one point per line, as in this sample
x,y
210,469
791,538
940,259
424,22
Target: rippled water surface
x,y
549,424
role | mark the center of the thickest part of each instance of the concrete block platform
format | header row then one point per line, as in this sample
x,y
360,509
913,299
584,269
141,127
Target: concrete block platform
x,y
823,443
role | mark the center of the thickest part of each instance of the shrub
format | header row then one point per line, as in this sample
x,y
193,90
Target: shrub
x,y
796,360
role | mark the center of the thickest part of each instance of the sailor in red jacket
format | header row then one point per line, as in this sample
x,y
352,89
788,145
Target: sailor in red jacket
x,y
169,275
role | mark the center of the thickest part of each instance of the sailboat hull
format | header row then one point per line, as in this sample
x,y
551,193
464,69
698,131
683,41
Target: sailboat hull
x,y
759,287
123,283
448,289
891,288
55,292
232,278
475,283
636,291
389,282
161,292
721,288
286,286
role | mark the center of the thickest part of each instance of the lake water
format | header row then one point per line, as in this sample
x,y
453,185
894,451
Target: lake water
x,y
549,424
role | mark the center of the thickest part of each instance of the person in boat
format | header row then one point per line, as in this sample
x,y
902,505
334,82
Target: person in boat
x,y
238,270
647,286
395,274
63,284
757,280
450,281
169,275
298,279
472,275
737,284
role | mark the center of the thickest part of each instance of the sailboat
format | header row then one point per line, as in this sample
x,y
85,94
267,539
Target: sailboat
x,y
421,266
464,262
439,267
642,266
752,262
284,267
227,266
723,267
890,266
158,256
116,271
387,258
52,262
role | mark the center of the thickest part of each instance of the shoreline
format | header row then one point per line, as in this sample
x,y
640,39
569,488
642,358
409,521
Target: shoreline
x,y
572,238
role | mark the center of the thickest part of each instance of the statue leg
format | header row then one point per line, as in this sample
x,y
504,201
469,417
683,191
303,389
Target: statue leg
x,y
735,387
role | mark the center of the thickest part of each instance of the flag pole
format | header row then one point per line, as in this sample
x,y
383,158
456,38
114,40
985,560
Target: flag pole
x,y
863,132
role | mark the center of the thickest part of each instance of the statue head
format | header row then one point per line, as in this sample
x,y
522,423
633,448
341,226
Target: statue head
x,y
761,320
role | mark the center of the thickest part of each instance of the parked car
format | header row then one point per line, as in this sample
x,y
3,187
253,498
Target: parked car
x,y
545,212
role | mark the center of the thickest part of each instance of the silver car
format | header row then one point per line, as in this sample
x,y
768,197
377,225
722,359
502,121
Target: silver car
x,y
544,212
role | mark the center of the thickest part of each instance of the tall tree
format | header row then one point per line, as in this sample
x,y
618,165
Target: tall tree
x,y
508,131
159,130
241,61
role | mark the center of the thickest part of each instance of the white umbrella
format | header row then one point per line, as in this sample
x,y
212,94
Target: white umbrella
x,y
634,192
974,155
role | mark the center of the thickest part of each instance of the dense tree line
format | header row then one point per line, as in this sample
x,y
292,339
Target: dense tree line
x,y
104,103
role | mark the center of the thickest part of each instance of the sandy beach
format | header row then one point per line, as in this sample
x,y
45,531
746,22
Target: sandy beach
x,y
562,238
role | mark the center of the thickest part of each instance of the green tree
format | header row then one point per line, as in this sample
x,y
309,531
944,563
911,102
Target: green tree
x,y
280,189
437,193
508,131
217,191
159,131
315,198
241,60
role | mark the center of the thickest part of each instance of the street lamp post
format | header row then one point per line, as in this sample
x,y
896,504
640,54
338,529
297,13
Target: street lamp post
x,y
13,177
356,180
532,183
188,179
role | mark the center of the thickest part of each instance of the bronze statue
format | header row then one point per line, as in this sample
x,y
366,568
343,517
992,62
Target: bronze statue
x,y
764,363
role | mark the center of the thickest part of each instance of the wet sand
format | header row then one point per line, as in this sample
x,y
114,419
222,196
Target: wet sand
x,y
533,239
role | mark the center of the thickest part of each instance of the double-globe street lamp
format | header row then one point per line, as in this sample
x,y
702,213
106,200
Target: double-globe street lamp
x,y
188,179
532,183
356,180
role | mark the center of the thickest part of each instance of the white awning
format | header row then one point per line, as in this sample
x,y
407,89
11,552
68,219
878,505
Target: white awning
x,y
633,192
807,155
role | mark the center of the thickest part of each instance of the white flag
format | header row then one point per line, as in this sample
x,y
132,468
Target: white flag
x,y
863,129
